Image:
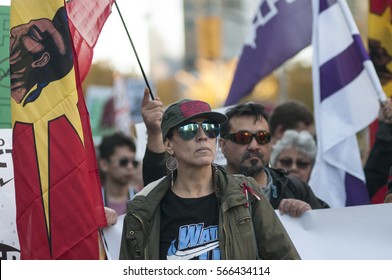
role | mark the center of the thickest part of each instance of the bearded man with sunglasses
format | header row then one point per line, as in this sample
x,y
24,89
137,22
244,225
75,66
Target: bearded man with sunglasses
x,y
245,142
200,211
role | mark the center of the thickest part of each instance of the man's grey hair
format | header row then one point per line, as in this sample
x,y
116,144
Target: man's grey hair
x,y
302,141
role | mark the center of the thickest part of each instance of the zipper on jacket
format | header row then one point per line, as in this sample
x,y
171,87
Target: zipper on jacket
x,y
274,191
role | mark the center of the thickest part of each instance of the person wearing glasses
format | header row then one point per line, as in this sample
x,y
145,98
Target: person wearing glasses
x,y
295,152
200,211
246,144
118,169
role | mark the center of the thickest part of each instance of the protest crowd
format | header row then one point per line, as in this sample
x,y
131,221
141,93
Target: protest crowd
x,y
228,183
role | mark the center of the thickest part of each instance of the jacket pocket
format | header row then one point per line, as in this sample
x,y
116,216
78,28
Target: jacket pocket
x,y
244,225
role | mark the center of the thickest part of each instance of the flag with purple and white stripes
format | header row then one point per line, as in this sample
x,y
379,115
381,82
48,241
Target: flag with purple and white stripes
x,y
280,29
346,100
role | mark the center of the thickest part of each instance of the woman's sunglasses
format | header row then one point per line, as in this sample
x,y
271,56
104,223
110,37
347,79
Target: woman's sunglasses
x,y
188,131
245,137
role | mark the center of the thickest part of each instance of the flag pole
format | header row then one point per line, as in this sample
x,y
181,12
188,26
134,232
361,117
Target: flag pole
x,y
134,50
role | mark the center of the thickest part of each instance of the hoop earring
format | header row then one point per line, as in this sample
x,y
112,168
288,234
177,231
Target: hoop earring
x,y
171,165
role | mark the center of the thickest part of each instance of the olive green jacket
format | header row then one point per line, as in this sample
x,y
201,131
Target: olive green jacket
x,y
237,234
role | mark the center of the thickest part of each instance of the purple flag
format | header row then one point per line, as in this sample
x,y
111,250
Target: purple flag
x,y
280,29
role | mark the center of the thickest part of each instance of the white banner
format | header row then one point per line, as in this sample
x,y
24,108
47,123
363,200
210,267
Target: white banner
x,y
111,239
9,242
348,233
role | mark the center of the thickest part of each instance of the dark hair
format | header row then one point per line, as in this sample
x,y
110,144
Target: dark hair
x,y
170,133
289,114
247,109
110,142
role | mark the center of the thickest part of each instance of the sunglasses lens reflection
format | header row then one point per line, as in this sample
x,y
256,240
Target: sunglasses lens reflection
x,y
189,131
245,137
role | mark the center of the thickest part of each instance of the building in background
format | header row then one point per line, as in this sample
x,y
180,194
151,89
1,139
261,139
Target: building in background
x,y
212,33
215,29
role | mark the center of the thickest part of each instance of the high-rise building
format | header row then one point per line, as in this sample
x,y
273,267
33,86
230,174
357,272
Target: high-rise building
x,y
215,29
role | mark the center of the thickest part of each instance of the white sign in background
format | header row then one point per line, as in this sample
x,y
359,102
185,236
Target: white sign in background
x,y
9,242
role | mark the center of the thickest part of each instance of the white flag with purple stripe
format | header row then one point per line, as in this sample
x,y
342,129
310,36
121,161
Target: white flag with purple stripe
x,y
346,99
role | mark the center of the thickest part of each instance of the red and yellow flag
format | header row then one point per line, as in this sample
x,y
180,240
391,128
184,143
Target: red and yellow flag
x,y
58,192
380,41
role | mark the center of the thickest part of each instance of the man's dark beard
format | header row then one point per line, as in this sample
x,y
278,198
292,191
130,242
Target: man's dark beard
x,y
254,168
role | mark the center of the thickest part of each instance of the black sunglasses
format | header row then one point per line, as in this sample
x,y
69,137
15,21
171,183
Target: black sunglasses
x,y
288,163
245,137
123,162
188,131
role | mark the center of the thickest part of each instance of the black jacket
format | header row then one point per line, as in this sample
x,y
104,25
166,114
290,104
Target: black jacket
x,y
291,187
380,159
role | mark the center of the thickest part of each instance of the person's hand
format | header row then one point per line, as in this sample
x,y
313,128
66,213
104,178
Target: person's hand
x,y
388,198
111,216
152,111
293,207
385,114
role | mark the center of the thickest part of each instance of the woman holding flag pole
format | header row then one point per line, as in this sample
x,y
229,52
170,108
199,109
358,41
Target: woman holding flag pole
x,y
200,211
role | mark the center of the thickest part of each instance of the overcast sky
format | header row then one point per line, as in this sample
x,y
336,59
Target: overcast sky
x,y
165,17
